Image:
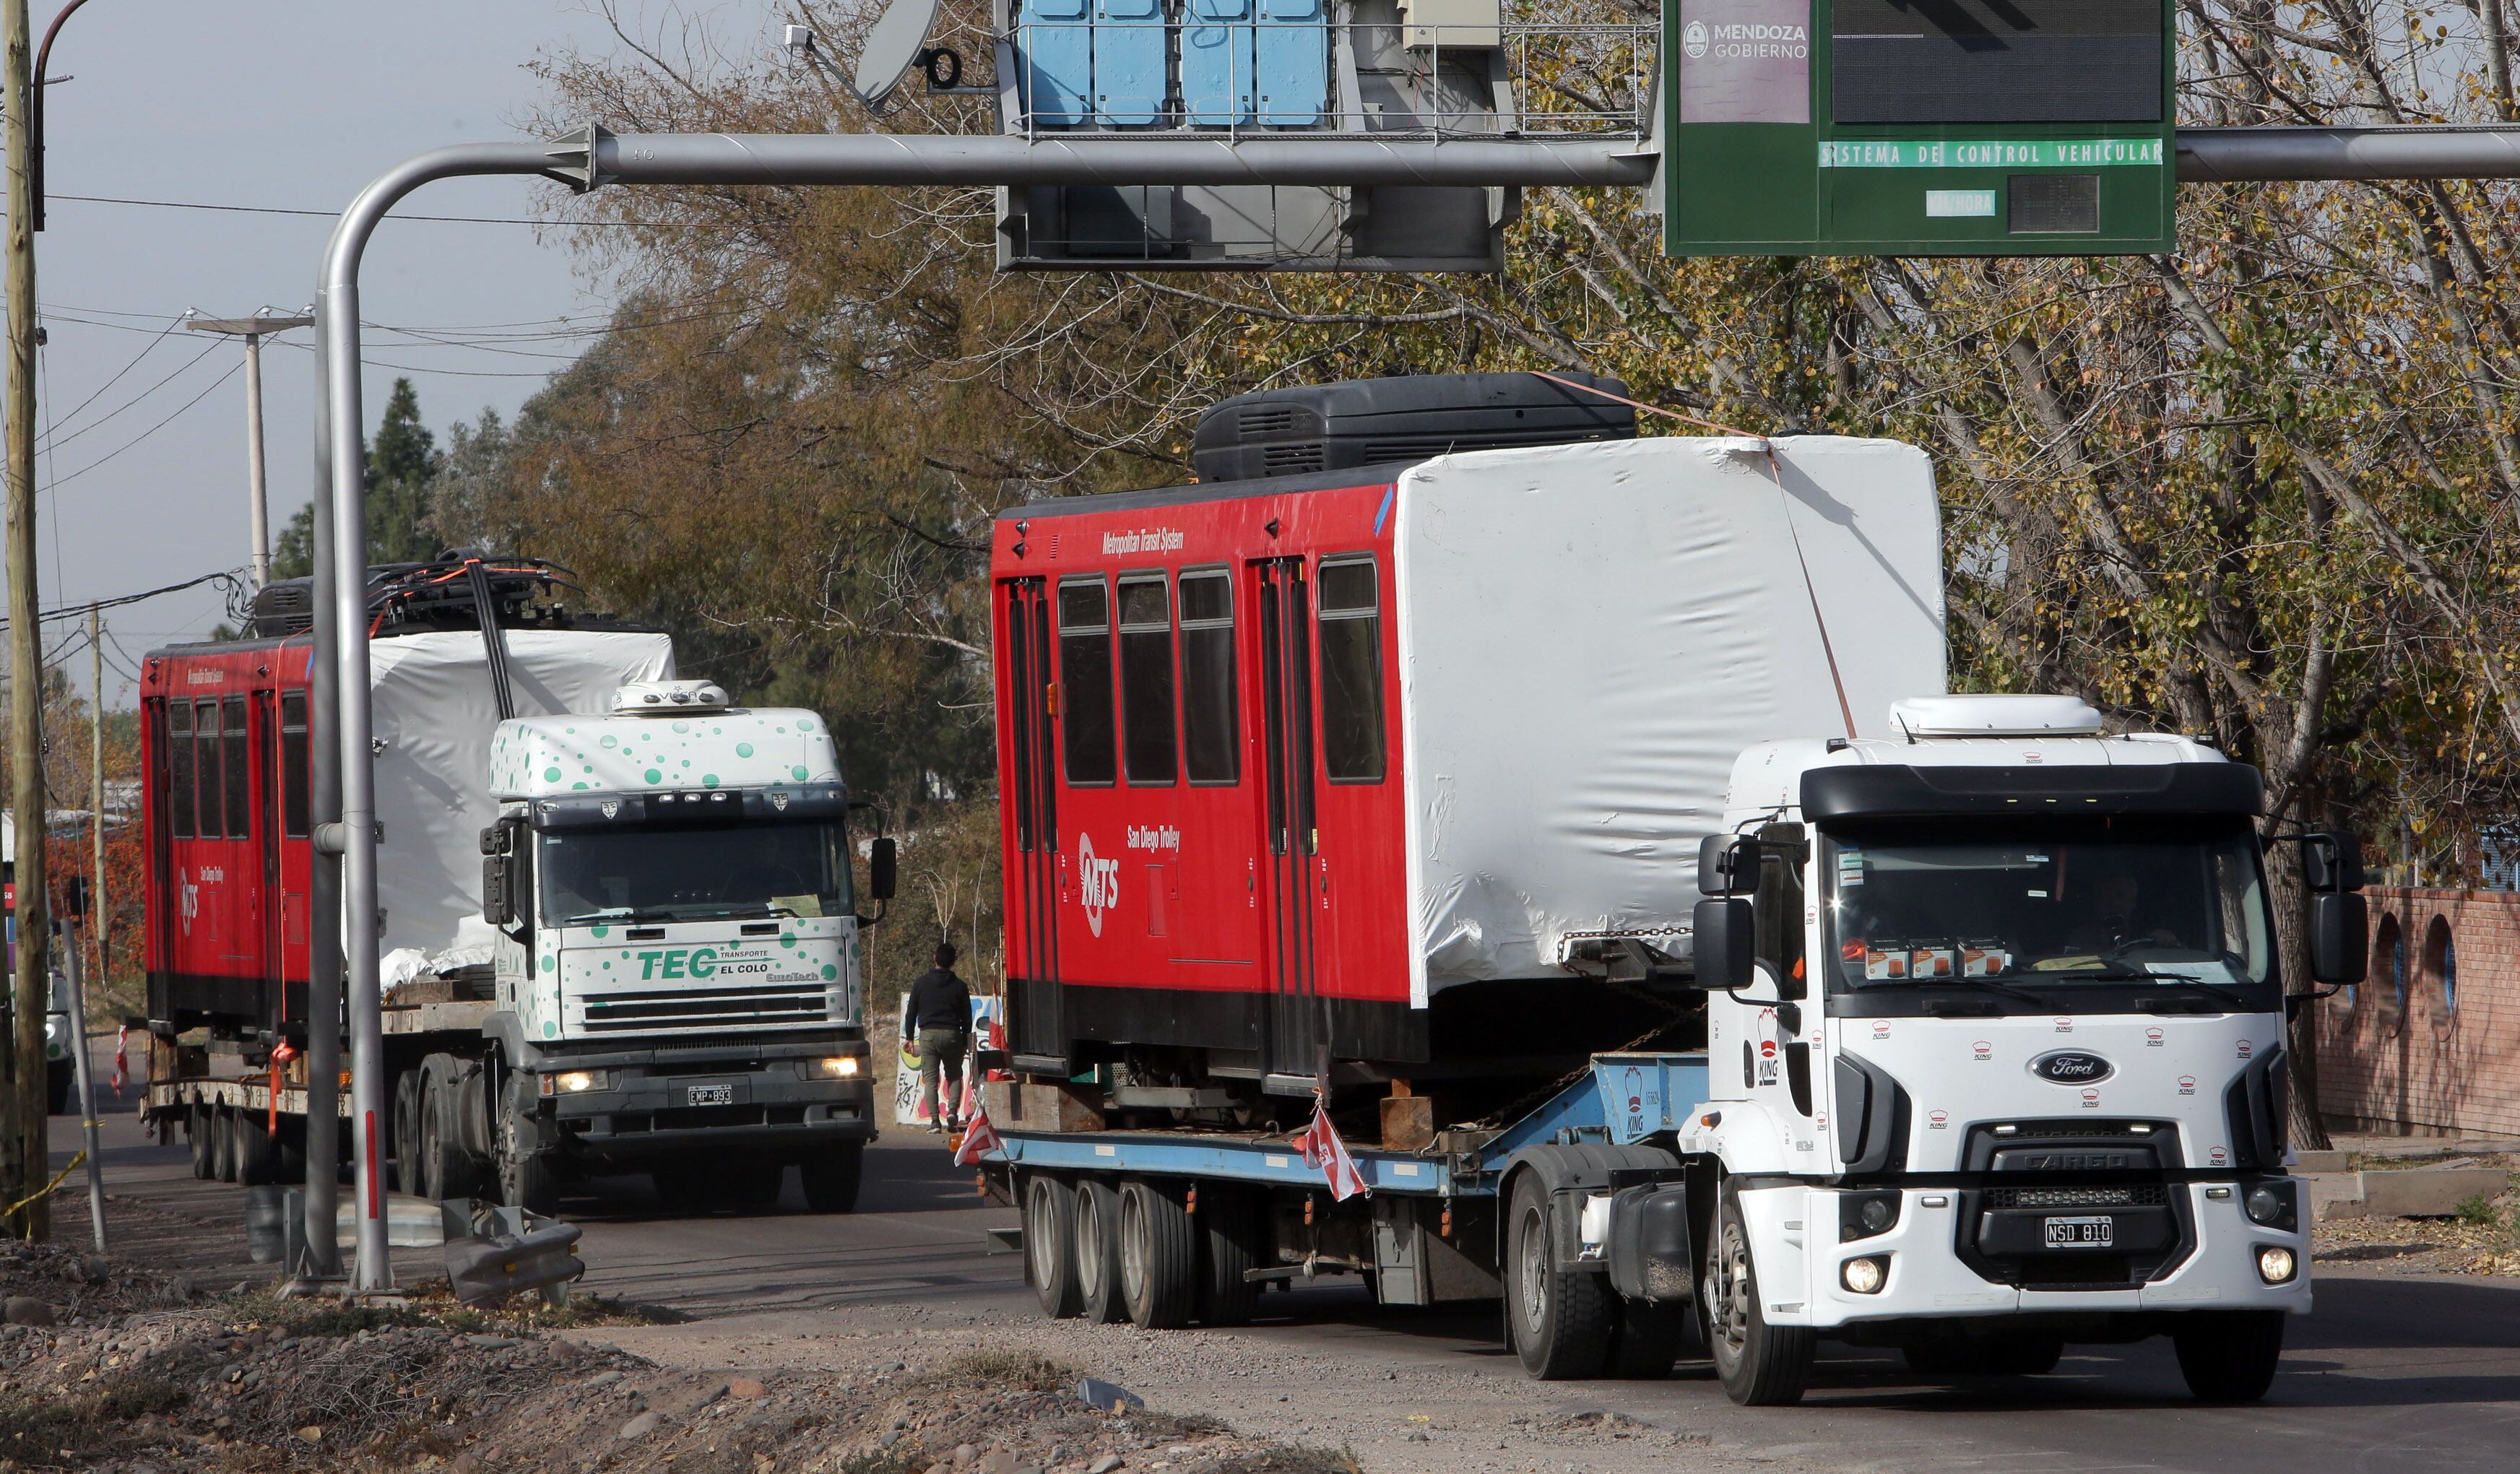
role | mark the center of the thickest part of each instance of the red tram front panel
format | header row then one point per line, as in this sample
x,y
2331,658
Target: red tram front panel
x,y
1199,765
224,732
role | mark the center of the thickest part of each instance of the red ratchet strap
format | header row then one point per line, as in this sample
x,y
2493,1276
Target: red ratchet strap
x,y
1845,711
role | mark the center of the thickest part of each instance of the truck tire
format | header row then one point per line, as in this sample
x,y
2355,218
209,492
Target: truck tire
x,y
830,1179
447,1169
1562,1322
1761,1365
1233,1223
199,1135
60,1079
1098,1252
1158,1257
528,1179
1050,1244
403,1126
1649,1339
2229,1355
257,1152
223,1144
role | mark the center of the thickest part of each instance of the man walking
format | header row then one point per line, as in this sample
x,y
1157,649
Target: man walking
x,y
940,1013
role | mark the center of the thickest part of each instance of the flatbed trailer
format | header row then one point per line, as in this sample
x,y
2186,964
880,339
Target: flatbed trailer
x,y
1169,1225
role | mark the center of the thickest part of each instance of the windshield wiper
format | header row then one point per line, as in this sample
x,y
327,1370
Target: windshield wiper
x,y
618,914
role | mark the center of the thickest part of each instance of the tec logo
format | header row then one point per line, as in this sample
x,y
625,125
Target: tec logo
x,y
677,962
1097,883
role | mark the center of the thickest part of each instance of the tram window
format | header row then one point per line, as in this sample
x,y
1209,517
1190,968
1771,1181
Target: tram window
x,y
1351,672
293,791
1211,746
179,769
240,756
1148,745
1084,680
206,763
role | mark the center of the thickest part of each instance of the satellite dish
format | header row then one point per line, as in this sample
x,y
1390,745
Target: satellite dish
x,y
892,47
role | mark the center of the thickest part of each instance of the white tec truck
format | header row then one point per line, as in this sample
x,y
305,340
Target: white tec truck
x,y
677,973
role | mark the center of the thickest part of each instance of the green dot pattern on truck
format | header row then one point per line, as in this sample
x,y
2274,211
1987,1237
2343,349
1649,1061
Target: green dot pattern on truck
x,y
740,748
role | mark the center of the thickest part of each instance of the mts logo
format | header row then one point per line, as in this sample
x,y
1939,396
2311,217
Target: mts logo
x,y
677,962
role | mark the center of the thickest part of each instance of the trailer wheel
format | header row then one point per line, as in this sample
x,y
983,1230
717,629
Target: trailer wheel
x,y
2229,1355
403,1126
1098,1252
258,1153
223,1142
831,1177
1158,1257
1563,1320
1050,1244
1233,1223
199,1135
1761,1365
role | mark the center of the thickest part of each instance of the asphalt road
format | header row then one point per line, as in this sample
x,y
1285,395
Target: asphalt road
x,y
2391,1373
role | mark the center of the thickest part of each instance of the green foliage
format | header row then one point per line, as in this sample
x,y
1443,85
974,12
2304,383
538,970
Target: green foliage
x,y
403,465
2476,1212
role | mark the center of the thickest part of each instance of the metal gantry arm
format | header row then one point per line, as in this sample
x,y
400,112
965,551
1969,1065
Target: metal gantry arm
x,y
592,159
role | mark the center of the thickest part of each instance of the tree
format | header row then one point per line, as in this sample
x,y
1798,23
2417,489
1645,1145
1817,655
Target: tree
x,y
402,465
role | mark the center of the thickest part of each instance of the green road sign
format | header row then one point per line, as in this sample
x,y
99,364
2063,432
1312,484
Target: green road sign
x,y
1918,127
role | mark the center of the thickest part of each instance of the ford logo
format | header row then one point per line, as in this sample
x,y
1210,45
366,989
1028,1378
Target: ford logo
x,y
2072,1067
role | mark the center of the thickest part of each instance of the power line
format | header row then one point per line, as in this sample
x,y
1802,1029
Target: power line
x,y
230,577
57,438
154,339
59,482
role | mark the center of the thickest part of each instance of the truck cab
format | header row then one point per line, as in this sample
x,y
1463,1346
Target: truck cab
x,y
1996,1050
677,974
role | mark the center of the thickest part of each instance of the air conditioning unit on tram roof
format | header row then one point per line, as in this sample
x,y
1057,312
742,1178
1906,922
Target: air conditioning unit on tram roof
x,y
1380,422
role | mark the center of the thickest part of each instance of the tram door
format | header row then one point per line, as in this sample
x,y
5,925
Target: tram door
x,y
1033,889
1293,1010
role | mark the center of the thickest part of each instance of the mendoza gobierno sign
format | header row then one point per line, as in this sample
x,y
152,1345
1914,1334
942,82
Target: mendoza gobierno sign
x,y
1745,62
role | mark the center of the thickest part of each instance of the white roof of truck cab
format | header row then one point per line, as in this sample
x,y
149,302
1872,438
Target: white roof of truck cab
x,y
740,747
1768,776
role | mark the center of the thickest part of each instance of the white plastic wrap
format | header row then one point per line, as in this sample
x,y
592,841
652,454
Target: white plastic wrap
x,y
1587,641
435,717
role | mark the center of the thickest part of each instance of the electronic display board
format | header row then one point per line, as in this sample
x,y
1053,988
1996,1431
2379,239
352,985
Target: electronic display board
x,y
1918,127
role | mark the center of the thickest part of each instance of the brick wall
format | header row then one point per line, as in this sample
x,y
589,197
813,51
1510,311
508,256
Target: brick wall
x,y
2429,1042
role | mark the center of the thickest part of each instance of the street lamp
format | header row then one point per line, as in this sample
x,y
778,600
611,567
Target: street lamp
x,y
251,329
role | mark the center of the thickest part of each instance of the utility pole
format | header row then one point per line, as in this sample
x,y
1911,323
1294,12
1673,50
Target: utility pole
x,y
96,789
23,1125
251,329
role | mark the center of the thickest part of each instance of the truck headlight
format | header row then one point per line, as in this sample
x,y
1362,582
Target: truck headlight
x,y
1865,1275
2270,1205
2275,1264
577,1082
1862,1215
839,1067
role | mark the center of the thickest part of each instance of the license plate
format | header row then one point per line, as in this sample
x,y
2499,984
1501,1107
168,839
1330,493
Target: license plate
x,y
2080,1233
724,1094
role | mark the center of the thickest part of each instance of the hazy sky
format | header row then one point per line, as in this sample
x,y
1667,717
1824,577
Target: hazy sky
x,y
292,105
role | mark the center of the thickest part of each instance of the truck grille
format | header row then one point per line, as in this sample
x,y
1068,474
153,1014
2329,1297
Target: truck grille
x,y
2140,1195
717,1008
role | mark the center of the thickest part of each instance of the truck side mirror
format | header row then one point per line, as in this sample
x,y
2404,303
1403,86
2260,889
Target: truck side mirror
x,y
2331,862
496,907
882,864
2340,936
1715,864
1725,942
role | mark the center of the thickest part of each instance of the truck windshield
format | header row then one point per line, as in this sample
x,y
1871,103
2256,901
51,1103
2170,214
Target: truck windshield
x,y
682,874
2098,906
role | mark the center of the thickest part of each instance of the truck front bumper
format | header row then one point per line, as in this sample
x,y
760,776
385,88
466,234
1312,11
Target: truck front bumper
x,y
1925,1271
643,1115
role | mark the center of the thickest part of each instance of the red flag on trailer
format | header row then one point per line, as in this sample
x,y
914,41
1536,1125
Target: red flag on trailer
x,y
1320,1146
121,1058
978,1137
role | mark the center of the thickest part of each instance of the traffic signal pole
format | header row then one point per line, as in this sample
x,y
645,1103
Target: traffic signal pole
x,y
593,158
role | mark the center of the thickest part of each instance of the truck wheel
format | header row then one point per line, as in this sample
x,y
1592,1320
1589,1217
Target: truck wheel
x,y
60,1079
1649,1339
830,1180
445,1167
1563,1323
527,1181
1158,1257
1098,1252
258,1153
1050,1244
223,1144
1234,1222
1761,1365
199,1135
403,1126
2229,1355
